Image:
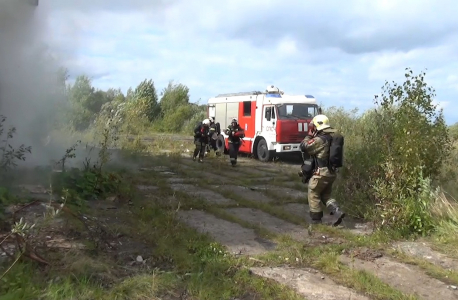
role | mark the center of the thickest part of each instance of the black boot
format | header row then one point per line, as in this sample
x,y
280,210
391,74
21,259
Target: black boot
x,y
316,217
194,156
336,213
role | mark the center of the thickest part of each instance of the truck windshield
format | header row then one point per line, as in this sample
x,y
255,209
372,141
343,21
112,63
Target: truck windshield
x,y
297,111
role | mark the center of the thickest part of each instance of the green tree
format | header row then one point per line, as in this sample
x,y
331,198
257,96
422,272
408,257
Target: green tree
x,y
174,120
95,101
145,92
79,95
173,96
86,102
454,131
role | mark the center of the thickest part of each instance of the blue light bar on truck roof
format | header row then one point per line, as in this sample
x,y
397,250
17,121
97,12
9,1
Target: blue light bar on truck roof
x,y
309,96
273,96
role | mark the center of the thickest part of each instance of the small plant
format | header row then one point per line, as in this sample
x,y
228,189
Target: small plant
x,y
69,153
9,154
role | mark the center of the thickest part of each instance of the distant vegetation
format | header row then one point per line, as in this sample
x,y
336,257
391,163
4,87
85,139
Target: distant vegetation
x,y
141,110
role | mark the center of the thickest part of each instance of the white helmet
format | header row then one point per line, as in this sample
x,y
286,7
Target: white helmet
x,y
211,119
206,122
321,122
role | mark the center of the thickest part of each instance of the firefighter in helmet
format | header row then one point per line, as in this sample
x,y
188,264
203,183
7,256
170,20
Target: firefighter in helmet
x,y
317,145
236,134
213,136
201,135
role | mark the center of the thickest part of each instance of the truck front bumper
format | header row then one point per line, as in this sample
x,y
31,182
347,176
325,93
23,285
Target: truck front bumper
x,y
284,148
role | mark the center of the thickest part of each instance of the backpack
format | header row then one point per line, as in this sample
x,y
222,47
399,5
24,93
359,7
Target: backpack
x,y
336,150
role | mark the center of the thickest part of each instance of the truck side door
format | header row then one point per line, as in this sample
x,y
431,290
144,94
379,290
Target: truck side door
x,y
269,123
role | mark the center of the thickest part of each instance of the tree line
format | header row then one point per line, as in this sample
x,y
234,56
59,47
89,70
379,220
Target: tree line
x,y
142,109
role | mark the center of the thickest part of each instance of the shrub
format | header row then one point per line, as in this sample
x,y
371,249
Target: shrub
x,y
392,155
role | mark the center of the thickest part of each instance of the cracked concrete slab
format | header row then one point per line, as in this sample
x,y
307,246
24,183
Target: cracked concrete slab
x,y
196,191
309,283
238,240
409,279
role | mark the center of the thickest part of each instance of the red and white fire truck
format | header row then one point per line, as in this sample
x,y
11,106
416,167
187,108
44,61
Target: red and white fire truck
x,y
274,122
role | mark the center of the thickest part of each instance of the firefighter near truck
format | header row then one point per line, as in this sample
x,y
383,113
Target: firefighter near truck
x,y
275,123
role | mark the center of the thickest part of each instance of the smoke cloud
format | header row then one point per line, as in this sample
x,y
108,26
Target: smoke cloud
x,y
32,84
29,87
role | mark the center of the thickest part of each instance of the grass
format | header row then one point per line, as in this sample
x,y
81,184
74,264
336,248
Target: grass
x,y
179,260
195,264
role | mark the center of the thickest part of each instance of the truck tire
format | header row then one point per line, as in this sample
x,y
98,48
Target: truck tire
x,y
263,152
221,145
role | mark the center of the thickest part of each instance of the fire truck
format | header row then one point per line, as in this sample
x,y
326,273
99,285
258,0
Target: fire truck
x,y
274,122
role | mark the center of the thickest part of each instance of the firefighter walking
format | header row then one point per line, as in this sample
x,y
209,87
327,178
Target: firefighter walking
x,y
201,137
326,159
214,132
236,134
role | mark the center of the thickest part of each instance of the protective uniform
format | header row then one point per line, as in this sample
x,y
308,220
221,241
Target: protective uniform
x,y
320,184
214,132
235,133
201,136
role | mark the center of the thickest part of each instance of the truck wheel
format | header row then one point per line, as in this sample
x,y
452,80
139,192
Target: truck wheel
x,y
220,144
263,152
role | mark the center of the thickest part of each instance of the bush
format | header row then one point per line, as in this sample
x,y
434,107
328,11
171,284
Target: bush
x,y
392,155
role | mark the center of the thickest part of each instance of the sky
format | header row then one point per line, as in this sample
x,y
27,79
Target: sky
x,y
341,52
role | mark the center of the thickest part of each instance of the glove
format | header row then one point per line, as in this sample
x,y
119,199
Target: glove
x,y
302,146
311,130
239,134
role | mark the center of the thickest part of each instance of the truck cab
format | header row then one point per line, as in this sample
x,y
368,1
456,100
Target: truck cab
x,y
285,124
274,122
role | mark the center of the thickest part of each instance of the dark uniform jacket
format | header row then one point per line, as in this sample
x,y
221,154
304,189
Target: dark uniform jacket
x,y
235,134
201,134
215,128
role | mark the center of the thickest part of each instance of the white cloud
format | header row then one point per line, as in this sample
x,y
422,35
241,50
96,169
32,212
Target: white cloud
x,y
341,53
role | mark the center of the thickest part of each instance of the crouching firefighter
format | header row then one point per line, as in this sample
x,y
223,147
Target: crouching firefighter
x,y
236,134
215,131
324,145
201,136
